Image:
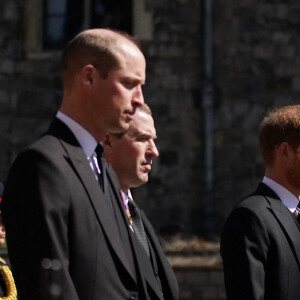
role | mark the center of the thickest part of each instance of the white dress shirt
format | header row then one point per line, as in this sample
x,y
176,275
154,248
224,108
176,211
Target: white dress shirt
x,y
288,199
85,139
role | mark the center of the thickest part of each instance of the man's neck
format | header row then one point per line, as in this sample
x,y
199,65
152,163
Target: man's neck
x,y
124,190
123,185
283,181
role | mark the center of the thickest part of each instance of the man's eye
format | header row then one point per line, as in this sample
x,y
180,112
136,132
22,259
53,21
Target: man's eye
x,y
129,85
142,139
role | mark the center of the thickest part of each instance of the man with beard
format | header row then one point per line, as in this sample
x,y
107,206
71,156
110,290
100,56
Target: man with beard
x,y
260,242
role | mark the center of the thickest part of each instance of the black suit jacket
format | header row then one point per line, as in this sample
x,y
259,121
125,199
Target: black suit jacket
x,y
260,248
53,207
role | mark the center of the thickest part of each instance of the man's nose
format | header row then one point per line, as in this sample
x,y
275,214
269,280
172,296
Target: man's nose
x,y
153,149
138,97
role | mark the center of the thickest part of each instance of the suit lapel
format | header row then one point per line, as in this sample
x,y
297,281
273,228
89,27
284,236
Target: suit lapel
x,y
288,224
143,261
284,217
102,208
166,269
121,216
145,267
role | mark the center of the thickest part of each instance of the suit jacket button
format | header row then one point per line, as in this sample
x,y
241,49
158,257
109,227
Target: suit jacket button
x,y
132,298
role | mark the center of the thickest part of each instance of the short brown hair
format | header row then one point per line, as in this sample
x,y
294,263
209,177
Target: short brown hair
x,y
145,109
279,125
88,47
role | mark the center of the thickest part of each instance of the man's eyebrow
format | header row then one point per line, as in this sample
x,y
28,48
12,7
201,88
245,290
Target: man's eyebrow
x,y
134,79
145,134
141,134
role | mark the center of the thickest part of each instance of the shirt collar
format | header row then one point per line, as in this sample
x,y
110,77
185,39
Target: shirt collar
x,y
129,194
126,196
288,199
85,139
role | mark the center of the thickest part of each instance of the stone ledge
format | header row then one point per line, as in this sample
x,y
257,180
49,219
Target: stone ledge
x,y
195,261
193,252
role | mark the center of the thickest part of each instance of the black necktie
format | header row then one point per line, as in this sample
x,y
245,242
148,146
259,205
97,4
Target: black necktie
x,y
137,224
297,212
102,166
102,178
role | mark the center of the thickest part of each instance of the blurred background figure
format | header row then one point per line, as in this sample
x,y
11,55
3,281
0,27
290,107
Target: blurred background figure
x,y
7,283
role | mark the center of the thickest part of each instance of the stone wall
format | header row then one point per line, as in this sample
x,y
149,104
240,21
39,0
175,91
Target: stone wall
x,y
198,268
200,283
29,88
256,66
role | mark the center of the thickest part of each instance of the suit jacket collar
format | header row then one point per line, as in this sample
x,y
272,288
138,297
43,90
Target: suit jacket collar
x,y
286,196
283,216
87,142
144,263
264,190
101,207
169,281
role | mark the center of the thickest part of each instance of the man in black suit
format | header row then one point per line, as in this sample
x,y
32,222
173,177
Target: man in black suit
x,y
130,155
260,242
62,202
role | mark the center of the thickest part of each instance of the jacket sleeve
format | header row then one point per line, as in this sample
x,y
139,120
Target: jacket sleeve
x,y
35,212
244,245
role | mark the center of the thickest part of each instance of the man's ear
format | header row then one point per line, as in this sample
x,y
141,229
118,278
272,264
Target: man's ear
x,y
284,151
87,75
106,143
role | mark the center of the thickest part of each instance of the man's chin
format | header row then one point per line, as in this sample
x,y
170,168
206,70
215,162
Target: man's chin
x,y
124,126
119,131
144,179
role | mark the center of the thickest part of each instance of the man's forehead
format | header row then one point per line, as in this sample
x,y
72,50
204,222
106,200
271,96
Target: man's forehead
x,y
142,124
141,129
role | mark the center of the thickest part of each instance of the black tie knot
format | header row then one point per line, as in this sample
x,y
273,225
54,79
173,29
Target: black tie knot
x,y
101,165
297,212
99,151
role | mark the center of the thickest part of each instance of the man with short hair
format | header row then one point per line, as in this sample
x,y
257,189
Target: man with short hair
x,y
61,202
260,242
130,155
